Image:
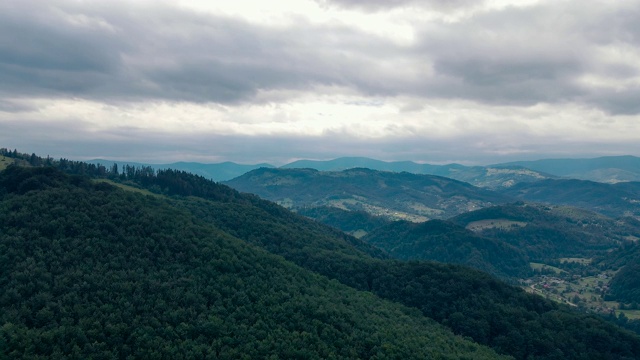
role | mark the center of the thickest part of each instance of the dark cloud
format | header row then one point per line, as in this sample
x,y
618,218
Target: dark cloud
x,y
165,53
127,51
42,53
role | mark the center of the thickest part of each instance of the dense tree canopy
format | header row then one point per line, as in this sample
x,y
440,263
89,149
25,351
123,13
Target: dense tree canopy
x,y
447,242
90,271
202,242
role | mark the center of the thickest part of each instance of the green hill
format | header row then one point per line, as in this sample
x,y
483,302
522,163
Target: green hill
x,y
450,243
481,176
604,169
545,232
91,271
469,302
399,196
613,200
625,285
357,223
216,172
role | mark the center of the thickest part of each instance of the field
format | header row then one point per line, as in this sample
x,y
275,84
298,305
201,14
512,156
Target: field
x,y
127,187
582,261
494,223
4,162
539,266
631,314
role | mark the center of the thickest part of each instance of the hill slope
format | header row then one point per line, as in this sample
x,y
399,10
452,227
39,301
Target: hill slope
x,y
102,273
609,169
481,176
613,200
450,243
394,195
547,232
357,223
469,302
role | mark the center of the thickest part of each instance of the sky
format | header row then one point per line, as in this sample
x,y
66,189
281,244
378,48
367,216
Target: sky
x,y
434,81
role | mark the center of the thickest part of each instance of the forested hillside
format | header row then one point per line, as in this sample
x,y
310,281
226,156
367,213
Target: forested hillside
x,y
482,176
625,285
611,169
393,195
613,200
447,242
548,232
91,271
357,223
469,302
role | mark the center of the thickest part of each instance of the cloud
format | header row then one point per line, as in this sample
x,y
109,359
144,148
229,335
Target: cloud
x,y
381,5
391,79
133,52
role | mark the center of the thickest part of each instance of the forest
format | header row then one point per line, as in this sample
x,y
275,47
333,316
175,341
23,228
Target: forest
x,y
78,251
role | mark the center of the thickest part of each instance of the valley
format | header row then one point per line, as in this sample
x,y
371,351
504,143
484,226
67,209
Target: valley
x,y
586,293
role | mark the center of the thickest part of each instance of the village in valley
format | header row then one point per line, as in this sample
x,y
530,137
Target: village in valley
x,y
587,293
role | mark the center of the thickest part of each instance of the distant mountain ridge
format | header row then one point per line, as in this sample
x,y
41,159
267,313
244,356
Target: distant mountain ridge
x,y
398,196
217,172
482,176
602,169
615,200
609,169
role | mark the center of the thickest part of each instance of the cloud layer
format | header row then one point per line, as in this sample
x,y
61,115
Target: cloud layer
x,y
336,77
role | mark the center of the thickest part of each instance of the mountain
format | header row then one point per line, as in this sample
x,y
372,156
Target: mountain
x,y
615,200
609,169
545,232
481,176
104,273
469,302
216,172
447,242
625,285
393,195
357,223
346,163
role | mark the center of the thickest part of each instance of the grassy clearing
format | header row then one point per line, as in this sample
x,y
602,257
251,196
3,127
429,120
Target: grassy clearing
x,y
359,203
421,209
502,224
359,233
127,187
288,203
582,261
631,314
540,266
4,162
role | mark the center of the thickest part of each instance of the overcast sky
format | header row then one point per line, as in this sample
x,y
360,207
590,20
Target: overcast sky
x,y
274,81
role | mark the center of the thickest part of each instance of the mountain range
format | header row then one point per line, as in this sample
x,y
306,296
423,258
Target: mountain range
x,y
101,264
609,169
390,194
